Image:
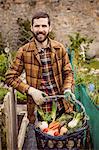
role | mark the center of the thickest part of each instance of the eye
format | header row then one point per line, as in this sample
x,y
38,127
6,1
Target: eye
x,y
44,25
36,26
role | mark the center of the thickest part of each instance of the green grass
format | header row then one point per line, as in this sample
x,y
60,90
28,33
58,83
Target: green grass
x,y
92,64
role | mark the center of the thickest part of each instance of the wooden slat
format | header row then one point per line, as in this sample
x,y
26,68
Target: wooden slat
x,y
11,120
1,108
19,108
22,131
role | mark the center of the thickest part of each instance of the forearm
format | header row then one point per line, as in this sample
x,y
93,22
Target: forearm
x,y
16,82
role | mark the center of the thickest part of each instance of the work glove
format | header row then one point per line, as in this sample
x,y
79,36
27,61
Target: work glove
x,y
37,95
67,104
68,94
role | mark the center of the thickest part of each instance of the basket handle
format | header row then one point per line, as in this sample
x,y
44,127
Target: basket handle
x,y
83,108
73,99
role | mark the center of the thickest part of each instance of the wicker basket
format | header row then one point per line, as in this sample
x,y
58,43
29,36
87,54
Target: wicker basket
x,y
69,141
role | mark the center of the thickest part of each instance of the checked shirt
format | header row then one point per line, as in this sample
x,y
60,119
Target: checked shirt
x,y
48,84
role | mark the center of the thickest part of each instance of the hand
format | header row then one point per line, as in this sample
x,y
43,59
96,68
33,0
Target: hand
x,y
68,94
37,95
67,104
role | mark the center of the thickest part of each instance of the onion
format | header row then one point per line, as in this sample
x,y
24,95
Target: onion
x,y
43,125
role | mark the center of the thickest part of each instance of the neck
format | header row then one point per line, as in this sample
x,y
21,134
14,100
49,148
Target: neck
x,y
42,44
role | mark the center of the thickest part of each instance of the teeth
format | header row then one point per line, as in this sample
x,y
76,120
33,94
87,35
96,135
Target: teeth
x,y
40,34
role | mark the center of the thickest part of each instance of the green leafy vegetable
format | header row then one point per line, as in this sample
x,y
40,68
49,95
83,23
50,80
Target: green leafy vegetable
x,y
41,113
54,109
45,116
74,122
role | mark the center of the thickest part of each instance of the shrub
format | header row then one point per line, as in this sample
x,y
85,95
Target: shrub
x,y
3,66
21,98
3,92
24,30
80,45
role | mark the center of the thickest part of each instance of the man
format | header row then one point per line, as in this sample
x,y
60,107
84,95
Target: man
x,y
47,67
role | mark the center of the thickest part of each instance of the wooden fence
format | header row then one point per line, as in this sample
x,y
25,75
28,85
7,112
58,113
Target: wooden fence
x,y
14,138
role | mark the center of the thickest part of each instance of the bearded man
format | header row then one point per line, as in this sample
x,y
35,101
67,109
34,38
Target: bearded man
x,y
48,72
47,67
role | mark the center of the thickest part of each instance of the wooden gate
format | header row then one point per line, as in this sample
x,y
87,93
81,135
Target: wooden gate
x,y
14,138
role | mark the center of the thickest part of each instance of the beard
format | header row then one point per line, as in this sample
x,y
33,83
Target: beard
x,y
40,36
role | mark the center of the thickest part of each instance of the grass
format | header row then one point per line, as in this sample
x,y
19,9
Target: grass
x,y
92,64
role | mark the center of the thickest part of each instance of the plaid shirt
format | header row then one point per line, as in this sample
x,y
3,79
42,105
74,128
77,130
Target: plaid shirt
x,y
48,84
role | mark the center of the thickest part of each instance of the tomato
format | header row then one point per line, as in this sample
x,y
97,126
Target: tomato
x,y
56,133
45,130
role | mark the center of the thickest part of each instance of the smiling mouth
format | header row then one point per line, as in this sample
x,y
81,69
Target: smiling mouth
x,y
41,34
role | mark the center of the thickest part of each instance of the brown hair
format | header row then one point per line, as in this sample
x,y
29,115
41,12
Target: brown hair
x,y
41,15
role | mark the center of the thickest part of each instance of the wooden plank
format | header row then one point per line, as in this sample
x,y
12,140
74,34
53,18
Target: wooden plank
x,y
1,108
22,131
7,121
13,103
11,120
19,108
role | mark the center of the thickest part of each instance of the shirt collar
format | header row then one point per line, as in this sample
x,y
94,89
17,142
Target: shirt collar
x,y
48,46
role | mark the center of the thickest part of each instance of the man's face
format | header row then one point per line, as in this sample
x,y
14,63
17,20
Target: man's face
x,y
40,29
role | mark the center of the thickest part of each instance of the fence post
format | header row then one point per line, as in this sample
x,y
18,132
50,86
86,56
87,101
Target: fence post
x,y
11,120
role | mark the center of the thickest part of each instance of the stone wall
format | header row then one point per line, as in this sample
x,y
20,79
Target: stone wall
x,y
68,16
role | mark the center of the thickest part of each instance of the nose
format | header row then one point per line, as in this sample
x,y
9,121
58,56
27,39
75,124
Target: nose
x,y
40,28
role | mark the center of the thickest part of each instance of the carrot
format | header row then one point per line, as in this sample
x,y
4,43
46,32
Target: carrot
x,y
54,125
51,124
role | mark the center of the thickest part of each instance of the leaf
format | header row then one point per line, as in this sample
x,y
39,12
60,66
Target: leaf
x,y
48,117
54,109
41,113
